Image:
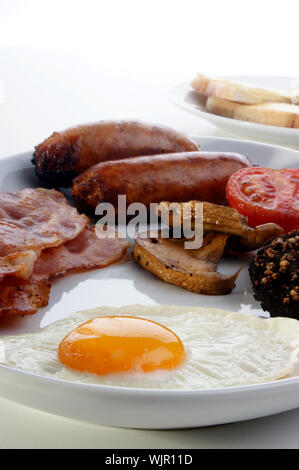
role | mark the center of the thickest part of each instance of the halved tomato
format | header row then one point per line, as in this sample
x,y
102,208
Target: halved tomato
x,y
265,195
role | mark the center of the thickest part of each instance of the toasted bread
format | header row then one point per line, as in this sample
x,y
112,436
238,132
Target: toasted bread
x,y
295,96
237,92
272,114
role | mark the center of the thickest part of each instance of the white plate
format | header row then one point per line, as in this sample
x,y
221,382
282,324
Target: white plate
x,y
186,98
126,283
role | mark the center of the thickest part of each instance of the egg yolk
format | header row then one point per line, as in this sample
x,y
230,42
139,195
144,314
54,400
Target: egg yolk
x,y
107,345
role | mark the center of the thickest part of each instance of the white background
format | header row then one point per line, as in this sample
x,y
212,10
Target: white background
x,y
161,39
69,61
65,62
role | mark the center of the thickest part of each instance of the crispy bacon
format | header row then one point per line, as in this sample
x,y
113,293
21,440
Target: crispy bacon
x,y
84,253
24,299
30,221
18,265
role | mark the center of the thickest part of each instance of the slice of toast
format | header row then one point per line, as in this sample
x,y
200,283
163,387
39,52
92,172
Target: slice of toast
x,y
295,96
272,114
237,92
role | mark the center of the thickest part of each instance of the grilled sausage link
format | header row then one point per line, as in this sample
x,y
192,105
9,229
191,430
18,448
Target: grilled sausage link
x,y
174,177
66,154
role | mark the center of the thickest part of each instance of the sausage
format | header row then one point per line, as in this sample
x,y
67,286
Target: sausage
x,y
66,154
174,177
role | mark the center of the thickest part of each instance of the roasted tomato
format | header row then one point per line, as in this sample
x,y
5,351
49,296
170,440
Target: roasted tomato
x,y
265,195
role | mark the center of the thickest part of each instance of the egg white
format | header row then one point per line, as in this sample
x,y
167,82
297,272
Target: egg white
x,y
223,348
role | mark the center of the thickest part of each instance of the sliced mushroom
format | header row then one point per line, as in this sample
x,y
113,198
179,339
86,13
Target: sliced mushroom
x,y
194,270
218,219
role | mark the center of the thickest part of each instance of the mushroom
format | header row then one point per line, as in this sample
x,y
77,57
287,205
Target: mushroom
x,y
218,219
193,269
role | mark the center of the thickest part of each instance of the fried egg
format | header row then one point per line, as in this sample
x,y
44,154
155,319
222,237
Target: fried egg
x,y
112,344
160,347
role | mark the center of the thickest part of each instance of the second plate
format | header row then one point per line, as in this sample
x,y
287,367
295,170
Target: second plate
x,y
186,98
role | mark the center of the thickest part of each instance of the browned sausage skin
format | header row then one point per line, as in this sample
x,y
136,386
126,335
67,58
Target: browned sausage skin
x,y
173,177
66,154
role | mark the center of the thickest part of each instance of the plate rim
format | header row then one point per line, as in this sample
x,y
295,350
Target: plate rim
x,y
247,142
279,383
